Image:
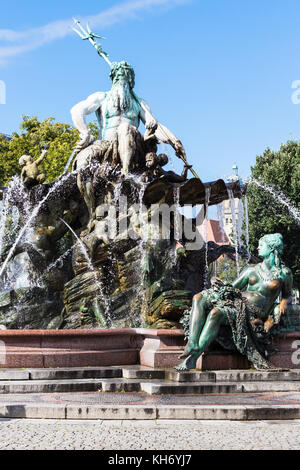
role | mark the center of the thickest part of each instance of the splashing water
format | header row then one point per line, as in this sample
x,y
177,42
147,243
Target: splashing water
x,y
54,264
16,275
207,199
92,269
7,210
240,222
82,247
278,196
235,231
247,229
177,215
143,214
167,152
117,193
31,218
142,246
177,224
220,212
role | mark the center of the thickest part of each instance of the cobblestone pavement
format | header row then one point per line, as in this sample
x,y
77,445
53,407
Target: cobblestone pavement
x,y
37,434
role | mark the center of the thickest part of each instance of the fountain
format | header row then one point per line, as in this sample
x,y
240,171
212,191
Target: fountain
x,y
104,248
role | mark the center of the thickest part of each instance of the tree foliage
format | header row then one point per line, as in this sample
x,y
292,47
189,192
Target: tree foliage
x,y
227,268
281,171
60,137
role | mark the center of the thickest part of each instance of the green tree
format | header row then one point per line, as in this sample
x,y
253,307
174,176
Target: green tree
x,y
60,137
281,171
227,268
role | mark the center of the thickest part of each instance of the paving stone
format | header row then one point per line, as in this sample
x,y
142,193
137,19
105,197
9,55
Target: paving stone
x,y
37,434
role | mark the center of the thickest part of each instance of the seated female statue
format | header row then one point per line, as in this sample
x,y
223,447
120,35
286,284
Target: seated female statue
x,y
242,314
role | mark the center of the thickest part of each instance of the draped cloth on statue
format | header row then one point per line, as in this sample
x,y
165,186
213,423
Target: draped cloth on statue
x,y
241,333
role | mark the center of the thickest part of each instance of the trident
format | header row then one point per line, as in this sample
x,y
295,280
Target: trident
x,y
90,36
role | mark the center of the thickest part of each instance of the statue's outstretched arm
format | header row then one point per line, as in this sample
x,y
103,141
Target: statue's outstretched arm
x,y
42,156
146,115
242,280
162,133
78,113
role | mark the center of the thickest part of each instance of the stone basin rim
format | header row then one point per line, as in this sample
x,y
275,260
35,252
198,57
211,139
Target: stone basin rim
x,y
93,332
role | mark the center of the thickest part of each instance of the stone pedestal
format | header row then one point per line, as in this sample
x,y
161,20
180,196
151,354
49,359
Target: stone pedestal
x,y
160,348
222,360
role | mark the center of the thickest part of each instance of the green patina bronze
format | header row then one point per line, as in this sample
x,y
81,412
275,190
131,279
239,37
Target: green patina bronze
x,y
120,72
31,175
243,315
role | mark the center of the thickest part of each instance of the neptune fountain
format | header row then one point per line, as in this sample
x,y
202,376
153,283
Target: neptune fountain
x,y
107,246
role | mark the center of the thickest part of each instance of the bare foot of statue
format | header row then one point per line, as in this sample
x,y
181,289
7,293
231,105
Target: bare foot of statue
x,y
189,363
189,349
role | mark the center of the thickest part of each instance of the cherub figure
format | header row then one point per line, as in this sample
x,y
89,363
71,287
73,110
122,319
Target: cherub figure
x,y
154,164
30,173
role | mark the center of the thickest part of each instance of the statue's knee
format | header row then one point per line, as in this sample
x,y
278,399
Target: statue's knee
x,y
197,297
215,313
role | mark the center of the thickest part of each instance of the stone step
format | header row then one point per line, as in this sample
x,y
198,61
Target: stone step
x,y
171,388
143,372
233,376
75,385
148,373
145,379
271,386
258,376
75,373
152,387
190,376
51,386
61,373
149,412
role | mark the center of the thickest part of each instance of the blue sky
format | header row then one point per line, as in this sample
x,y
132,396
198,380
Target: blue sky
x,y
218,73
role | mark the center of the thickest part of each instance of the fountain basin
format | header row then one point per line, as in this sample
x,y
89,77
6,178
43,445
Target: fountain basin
x,y
125,346
89,347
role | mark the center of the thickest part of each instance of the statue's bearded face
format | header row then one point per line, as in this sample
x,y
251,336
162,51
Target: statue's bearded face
x,y
122,75
120,91
122,71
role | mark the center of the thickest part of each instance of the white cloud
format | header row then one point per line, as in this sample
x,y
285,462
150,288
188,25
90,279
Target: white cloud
x,y
18,42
